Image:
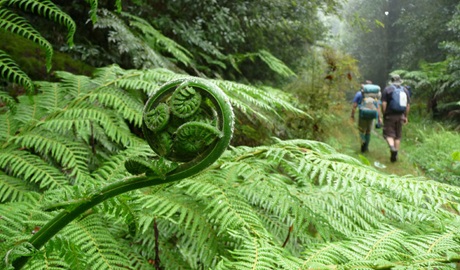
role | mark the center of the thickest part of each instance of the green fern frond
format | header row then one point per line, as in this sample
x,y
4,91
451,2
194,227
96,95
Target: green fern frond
x,y
386,248
72,156
49,10
119,100
113,169
147,81
275,64
158,41
101,250
143,56
436,244
183,220
73,85
12,188
81,118
11,71
14,228
254,253
93,9
247,98
109,75
8,126
52,96
31,168
29,110
8,101
16,24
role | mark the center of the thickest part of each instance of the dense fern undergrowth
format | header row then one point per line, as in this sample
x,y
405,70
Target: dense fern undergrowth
x,y
291,204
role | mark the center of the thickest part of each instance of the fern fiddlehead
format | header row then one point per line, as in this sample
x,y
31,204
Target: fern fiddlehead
x,y
193,117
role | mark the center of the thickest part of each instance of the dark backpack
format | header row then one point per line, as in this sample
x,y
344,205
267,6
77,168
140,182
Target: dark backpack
x,y
368,106
398,102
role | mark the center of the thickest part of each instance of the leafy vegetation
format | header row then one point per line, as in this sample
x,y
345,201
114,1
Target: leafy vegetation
x,y
81,187
292,204
443,144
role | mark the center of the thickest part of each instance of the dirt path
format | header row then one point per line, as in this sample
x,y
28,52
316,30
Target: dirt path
x,y
345,138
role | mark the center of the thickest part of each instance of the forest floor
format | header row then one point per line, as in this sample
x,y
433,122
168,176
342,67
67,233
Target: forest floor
x,y
345,139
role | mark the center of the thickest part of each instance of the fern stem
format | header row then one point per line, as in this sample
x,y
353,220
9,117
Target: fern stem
x,y
225,119
157,251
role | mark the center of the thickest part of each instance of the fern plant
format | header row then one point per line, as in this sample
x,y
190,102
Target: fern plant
x,y
293,204
64,141
13,21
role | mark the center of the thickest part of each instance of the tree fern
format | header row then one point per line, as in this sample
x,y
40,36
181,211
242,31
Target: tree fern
x,y
293,204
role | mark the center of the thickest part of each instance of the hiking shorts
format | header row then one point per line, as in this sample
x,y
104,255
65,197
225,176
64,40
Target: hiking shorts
x,y
392,126
365,125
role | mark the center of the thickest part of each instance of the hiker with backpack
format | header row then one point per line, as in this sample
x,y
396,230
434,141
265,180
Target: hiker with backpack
x,y
367,99
395,106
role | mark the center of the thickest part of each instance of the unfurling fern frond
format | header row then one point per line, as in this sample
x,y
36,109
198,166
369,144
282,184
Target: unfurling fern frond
x,y
214,105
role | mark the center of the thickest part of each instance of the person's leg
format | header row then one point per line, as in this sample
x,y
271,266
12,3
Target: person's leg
x,y
362,126
391,143
367,135
397,139
397,143
389,133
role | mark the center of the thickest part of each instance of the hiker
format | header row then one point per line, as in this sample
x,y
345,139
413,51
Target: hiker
x,y
395,106
367,99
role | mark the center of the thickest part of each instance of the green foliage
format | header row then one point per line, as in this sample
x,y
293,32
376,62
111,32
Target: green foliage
x,y
412,32
220,34
292,204
238,215
74,136
17,24
78,122
11,71
436,84
144,47
211,39
320,89
443,145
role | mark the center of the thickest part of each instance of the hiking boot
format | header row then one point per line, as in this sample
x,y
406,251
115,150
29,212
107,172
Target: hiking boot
x,y
394,156
364,147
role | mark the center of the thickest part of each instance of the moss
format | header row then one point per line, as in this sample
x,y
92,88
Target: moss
x,y
31,58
